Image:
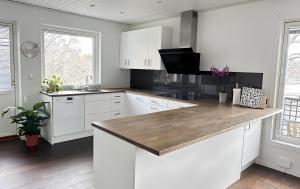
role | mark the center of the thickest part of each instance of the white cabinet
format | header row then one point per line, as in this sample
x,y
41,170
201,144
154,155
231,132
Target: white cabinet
x,y
100,107
251,147
137,104
68,115
176,105
128,49
139,48
89,118
154,44
149,108
134,104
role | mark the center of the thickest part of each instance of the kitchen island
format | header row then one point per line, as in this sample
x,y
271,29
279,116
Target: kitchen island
x,y
195,147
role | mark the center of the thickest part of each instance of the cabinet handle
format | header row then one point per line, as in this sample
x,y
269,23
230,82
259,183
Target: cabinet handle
x,y
117,102
117,114
154,102
248,128
117,96
145,62
149,62
153,108
129,62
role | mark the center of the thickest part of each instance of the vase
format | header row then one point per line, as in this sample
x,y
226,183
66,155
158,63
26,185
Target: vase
x,y
31,140
222,98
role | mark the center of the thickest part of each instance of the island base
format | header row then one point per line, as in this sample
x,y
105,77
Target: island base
x,y
214,163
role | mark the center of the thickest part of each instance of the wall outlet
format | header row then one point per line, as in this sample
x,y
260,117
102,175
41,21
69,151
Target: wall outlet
x,y
283,162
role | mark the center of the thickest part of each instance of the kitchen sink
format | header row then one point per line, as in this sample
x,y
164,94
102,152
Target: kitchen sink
x,y
95,91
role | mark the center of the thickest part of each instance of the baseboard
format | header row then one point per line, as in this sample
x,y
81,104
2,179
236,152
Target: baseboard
x,y
9,137
247,165
276,167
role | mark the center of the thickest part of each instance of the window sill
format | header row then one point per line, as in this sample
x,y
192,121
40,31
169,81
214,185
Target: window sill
x,y
285,144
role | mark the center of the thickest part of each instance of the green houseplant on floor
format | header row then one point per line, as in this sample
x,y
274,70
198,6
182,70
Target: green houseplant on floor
x,y
29,121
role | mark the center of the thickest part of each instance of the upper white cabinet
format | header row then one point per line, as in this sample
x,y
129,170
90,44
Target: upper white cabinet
x,y
128,49
139,48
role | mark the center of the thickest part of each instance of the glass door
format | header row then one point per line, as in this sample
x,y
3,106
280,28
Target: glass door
x,y
7,76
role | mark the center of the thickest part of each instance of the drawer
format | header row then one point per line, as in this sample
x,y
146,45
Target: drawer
x,y
152,108
95,118
176,104
155,101
94,107
117,104
117,96
135,97
117,114
97,97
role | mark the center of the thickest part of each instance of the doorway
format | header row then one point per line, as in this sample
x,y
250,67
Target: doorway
x,y
7,77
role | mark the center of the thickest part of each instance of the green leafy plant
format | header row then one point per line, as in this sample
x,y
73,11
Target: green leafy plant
x,y
29,120
53,85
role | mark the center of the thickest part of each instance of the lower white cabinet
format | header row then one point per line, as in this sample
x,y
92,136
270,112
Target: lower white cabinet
x,y
134,104
154,108
251,146
89,118
137,104
176,104
101,107
71,116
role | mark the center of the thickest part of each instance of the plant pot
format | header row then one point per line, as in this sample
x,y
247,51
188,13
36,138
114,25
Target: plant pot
x,y
32,140
222,98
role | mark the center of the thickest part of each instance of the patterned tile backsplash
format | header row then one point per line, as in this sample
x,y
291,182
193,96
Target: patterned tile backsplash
x,y
192,87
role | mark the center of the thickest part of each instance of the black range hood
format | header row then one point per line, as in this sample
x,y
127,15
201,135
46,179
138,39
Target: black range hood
x,y
184,60
180,61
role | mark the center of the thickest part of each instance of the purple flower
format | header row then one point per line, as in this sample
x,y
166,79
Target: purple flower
x,y
219,73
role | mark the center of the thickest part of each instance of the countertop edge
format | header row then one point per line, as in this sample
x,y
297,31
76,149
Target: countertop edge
x,y
188,143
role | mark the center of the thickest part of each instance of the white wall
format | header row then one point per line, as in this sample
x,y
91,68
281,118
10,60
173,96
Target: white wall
x,y
246,38
28,21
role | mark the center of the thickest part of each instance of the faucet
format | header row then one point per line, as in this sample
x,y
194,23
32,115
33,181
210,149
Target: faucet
x,y
86,88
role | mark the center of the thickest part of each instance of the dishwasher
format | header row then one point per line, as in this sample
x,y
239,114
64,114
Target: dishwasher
x,y
68,115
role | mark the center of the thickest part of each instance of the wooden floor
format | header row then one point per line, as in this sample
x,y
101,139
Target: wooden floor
x,y
69,165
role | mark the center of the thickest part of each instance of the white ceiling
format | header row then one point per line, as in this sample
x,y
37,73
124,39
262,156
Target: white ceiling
x,y
135,11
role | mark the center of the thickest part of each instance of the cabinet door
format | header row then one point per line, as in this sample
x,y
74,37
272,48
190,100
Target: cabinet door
x,y
154,44
124,49
133,50
143,49
134,104
95,107
94,118
251,146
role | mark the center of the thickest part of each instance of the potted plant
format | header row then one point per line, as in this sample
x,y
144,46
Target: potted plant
x,y
29,121
221,74
52,85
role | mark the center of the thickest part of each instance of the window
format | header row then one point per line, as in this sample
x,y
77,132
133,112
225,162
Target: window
x,y
6,52
288,124
71,56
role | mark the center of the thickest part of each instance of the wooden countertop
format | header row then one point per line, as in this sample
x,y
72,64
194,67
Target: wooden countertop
x,y
167,131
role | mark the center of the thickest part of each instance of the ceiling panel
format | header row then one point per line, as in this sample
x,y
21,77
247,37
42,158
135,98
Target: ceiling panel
x,y
131,11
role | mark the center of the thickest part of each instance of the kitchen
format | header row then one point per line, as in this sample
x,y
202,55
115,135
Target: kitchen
x,y
138,84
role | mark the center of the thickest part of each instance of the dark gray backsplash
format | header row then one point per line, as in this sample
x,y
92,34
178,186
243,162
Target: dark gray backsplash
x,y
192,86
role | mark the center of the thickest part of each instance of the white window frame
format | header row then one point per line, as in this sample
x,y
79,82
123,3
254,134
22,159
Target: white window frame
x,y
96,36
12,60
280,90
